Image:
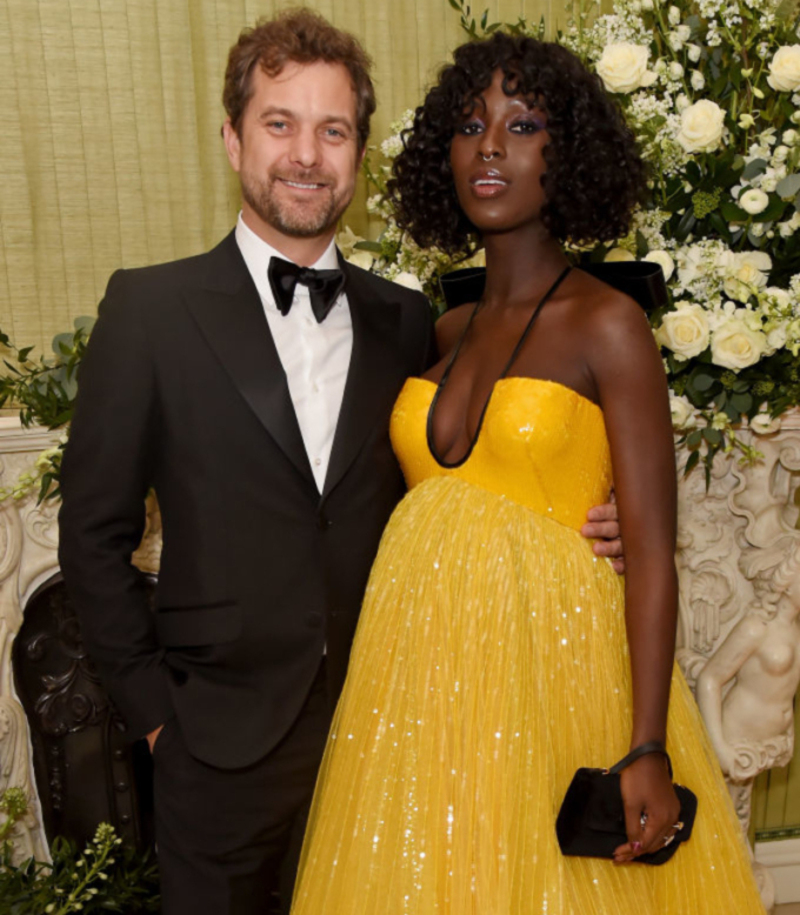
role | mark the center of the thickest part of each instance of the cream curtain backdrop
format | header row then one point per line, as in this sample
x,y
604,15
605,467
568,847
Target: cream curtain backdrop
x,y
110,153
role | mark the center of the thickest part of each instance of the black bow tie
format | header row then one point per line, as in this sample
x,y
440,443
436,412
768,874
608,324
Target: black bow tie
x,y
324,286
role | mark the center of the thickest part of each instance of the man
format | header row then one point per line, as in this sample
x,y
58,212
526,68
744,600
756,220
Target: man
x,y
254,397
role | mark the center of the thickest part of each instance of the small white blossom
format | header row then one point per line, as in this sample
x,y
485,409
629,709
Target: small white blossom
x,y
753,201
764,424
683,413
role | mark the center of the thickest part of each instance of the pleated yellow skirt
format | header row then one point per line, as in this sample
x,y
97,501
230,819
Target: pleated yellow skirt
x,y
491,662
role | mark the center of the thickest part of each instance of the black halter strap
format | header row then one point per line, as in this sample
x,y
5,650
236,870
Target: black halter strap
x,y
451,361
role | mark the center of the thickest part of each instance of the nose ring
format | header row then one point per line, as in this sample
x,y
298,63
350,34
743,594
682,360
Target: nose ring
x,y
487,158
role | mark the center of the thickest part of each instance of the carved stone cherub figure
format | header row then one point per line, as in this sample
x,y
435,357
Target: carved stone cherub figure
x,y
752,727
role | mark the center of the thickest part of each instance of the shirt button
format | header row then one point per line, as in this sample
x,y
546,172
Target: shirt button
x,y
317,461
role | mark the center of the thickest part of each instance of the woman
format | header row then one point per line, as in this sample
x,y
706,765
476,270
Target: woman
x,y
495,655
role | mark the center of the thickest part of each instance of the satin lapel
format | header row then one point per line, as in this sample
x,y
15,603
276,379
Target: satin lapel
x,y
374,376
228,310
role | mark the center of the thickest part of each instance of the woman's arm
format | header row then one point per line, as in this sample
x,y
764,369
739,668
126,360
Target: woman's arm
x,y
632,389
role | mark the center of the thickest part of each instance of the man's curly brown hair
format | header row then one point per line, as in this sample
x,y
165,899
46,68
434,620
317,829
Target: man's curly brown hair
x,y
595,175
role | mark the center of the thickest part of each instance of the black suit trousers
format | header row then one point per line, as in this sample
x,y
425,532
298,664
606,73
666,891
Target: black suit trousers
x,y
229,839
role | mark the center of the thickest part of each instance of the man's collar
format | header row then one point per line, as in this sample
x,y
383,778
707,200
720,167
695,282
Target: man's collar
x,y
257,252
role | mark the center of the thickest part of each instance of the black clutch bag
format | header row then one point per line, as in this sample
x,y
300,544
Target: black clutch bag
x,y
591,822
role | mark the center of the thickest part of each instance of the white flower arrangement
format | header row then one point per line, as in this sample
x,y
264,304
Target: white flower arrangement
x,y
711,89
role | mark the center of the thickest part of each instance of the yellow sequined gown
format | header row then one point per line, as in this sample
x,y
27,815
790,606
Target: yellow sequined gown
x,y
490,662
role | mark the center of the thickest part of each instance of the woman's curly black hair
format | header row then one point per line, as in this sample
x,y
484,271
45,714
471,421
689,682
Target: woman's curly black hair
x,y
595,174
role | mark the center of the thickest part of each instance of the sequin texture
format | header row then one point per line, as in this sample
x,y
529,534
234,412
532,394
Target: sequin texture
x,y
489,663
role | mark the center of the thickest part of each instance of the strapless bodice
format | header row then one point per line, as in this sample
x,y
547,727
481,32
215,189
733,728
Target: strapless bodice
x,y
541,444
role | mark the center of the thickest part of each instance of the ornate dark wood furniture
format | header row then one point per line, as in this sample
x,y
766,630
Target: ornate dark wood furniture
x,y
86,773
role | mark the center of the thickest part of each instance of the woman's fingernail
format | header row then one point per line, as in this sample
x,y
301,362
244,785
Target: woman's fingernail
x,y
636,846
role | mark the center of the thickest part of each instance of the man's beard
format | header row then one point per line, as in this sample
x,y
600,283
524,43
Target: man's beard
x,y
295,220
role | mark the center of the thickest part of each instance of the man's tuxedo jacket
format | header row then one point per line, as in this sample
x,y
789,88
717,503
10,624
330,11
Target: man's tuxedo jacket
x,y
182,390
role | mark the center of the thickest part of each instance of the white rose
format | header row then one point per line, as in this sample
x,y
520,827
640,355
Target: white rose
x,y
619,254
747,272
776,338
683,32
694,51
663,259
684,331
683,416
753,201
701,126
682,102
698,81
735,346
690,265
789,136
764,424
675,70
361,259
408,280
347,240
674,15
647,4
780,153
780,296
623,67
784,69
675,41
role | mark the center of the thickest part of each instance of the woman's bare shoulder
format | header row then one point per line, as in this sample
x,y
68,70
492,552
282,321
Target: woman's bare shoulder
x,y
450,325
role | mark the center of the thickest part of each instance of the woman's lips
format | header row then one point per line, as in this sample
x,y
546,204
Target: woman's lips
x,y
488,184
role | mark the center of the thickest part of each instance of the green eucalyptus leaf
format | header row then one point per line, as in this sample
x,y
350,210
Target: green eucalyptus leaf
x,y
62,344
702,382
712,436
694,438
84,323
788,187
694,457
755,168
741,402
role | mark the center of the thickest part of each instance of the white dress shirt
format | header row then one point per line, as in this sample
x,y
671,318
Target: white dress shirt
x,y
315,357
